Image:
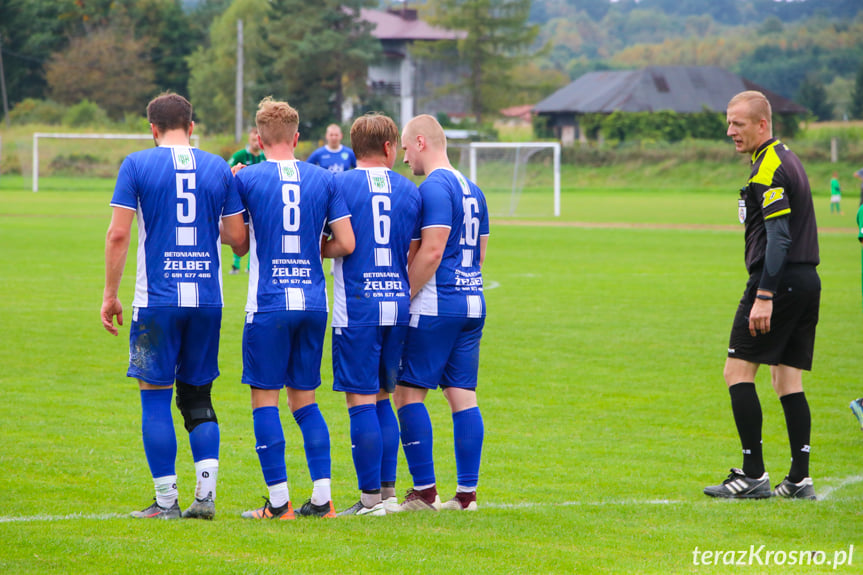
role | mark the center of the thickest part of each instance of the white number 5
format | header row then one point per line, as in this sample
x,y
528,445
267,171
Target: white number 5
x,y
186,211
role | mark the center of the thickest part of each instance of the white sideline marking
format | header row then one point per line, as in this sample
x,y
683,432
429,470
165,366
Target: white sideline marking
x,y
491,285
528,505
823,495
525,505
827,492
62,517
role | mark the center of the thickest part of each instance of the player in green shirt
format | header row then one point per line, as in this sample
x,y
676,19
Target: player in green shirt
x,y
835,194
251,154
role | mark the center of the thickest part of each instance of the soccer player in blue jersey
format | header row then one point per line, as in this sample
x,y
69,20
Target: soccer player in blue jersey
x,y
447,318
333,156
371,305
179,195
289,203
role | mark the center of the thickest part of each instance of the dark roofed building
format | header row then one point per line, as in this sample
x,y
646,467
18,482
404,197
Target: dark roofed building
x,y
683,89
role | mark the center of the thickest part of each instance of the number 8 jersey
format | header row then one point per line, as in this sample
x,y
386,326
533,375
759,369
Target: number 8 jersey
x,y
179,194
452,201
289,202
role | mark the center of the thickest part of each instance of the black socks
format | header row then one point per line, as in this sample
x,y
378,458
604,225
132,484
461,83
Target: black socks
x,y
747,416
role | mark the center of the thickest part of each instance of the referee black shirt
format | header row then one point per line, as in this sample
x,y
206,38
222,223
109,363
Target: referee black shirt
x,y
778,186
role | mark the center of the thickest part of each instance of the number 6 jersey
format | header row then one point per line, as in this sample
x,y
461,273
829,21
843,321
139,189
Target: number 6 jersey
x,y
452,201
371,284
179,194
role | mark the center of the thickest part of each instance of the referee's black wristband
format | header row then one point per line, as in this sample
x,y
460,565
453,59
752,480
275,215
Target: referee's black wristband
x,y
764,297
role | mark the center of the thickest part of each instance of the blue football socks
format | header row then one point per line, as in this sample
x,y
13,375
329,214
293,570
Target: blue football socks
x,y
316,440
270,444
468,433
389,425
157,428
366,446
204,441
418,442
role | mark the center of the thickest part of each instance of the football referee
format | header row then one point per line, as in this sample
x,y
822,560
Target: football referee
x,y
776,318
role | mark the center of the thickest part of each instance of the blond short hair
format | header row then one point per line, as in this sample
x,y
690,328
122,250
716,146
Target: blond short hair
x,y
370,132
430,128
757,104
277,121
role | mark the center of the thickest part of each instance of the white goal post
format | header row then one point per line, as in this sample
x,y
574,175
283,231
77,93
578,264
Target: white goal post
x,y
527,148
38,135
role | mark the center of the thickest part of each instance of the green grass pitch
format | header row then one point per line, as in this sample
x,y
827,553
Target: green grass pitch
x,y
601,388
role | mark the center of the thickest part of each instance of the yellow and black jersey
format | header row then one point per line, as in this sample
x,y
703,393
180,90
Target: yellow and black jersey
x,y
778,187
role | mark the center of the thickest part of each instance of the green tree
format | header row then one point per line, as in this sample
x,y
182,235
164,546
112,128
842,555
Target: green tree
x,y
496,39
813,96
317,54
857,95
169,33
31,31
105,67
212,67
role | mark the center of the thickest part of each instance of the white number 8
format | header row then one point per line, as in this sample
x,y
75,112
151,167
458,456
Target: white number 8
x,y
291,211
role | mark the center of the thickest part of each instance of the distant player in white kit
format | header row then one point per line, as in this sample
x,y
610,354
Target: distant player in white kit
x,y
289,203
447,318
371,305
179,195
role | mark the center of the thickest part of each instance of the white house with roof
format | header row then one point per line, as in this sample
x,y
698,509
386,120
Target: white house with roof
x,y
399,76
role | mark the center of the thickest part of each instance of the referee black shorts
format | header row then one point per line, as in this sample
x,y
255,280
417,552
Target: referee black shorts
x,y
791,339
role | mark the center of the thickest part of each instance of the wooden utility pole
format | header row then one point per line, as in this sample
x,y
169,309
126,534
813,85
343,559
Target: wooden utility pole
x,y
3,85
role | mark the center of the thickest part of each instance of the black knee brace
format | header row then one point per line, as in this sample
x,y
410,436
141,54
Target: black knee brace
x,y
195,404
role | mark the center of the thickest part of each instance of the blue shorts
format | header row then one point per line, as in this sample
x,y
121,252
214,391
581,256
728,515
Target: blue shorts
x,y
442,351
175,343
366,359
283,349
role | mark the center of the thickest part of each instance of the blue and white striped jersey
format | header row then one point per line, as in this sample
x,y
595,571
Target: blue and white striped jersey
x,y
179,194
289,202
371,284
452,201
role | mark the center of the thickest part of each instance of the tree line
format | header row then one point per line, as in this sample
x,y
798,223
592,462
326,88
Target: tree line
x,y
119,53
809,51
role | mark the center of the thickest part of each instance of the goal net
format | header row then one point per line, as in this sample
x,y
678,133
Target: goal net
x,y
519,179
83,155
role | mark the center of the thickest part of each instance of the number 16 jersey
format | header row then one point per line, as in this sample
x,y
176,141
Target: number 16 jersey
x,y
449,200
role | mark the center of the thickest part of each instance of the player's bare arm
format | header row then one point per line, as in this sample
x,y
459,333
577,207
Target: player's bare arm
x,y
415,245
116,250
342,242
427,258
234,232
